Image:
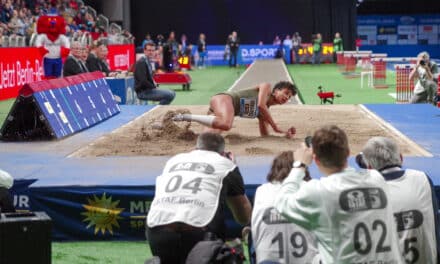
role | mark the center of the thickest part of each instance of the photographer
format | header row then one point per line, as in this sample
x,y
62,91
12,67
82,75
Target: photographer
x,y
425,72
345,208
190,199
412,197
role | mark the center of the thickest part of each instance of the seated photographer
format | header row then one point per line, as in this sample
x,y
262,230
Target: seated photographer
x,y
426,74
190,199
6,182
97,59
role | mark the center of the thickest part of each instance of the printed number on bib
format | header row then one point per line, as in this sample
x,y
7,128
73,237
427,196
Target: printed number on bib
x,y
298,242
410,252
176,182
248,107
362,238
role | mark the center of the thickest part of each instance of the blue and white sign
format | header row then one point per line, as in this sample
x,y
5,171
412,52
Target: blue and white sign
x,y
217,55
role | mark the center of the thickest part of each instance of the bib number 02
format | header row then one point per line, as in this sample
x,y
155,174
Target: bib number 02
x,y
363,243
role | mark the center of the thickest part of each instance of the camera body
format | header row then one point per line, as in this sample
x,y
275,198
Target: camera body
x,y
422,62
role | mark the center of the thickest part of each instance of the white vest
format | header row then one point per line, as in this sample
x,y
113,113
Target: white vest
x,y
189,189
411,200
54,47
276,239
349,212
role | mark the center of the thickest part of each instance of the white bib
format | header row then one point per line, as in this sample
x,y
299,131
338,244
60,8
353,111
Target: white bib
x,y
275,238
189,189
411,200
248,107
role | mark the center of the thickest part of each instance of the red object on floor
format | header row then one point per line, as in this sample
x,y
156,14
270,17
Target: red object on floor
x,y
325,95
173,78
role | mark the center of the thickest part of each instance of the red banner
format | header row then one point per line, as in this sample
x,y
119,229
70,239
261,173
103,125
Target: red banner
x,y
17,67
120,57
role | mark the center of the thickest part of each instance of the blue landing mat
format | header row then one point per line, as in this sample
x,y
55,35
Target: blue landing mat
x,y
47,162
420,123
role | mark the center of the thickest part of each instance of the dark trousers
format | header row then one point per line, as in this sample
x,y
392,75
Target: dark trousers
x,y
6,203
233,58
171,246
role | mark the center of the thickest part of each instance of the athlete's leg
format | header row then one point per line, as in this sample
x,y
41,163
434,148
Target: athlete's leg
x,y
222,107
223,110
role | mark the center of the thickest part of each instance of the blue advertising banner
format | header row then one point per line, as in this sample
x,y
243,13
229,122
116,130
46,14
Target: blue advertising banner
x,y
216,54
399,29
97,212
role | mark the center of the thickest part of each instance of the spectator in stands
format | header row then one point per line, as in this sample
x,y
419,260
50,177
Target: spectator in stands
x,y
287,42
191,197
296,45
348,211
160,40
1,37
317,48
147,40
425,73
172,43
184,43
16,24
6,182
358,43
74,63
272,233
145,87
255,104
234,46
6,12
277,41
338,45
97,59
413,199
201,49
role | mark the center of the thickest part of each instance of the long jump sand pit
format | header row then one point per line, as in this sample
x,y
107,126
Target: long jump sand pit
x,y
154,134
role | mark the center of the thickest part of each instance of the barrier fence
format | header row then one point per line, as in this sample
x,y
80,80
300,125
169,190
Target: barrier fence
x,y
404,86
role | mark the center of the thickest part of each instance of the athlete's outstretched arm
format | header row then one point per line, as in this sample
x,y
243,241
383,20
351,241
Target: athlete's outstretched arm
x,y
264,90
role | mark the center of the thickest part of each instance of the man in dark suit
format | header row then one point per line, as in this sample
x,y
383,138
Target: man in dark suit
x,y
144,85
97,59
75,64
234,44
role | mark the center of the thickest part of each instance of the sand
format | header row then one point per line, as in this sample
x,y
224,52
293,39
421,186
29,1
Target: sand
x,y
154,134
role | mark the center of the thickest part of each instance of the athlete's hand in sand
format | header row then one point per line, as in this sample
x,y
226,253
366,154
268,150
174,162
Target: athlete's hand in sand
x,y
291,132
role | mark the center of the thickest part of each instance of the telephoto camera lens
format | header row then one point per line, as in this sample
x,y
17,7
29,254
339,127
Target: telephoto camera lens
x,y
360,161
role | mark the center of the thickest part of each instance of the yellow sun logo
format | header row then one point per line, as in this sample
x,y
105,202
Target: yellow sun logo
x,y
102,213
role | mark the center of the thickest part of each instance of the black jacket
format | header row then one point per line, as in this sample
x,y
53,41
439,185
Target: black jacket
x,y
143,76
93,63
72,67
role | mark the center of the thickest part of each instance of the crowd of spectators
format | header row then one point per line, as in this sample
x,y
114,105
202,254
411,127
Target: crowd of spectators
x,y
19,18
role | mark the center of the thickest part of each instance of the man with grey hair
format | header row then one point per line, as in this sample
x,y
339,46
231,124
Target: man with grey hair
x,y
190,198
75,64
412,199
426,74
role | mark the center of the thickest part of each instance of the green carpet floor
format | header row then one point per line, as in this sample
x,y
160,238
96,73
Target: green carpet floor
x,y
309,77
